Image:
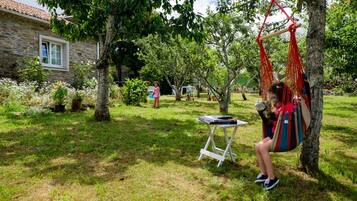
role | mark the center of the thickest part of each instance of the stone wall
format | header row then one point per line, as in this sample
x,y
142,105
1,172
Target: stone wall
x,y
19,38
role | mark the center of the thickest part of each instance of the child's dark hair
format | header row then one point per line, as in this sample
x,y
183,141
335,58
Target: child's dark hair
x,y
278,90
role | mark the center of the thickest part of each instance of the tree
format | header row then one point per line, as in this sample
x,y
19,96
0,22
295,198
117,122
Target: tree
x,y
251,64
202,60
314,68
109,20
341,45
124,53
226,33
167,59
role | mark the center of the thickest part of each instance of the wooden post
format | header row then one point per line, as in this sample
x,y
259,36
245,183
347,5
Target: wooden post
x,y
277,33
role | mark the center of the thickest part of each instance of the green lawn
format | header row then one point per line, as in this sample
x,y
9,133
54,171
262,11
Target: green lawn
x,y
151,154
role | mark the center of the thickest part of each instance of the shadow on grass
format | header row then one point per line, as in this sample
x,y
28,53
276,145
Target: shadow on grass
x,y
167,103
334,114
292,186
346,134
350,107
327,182
342,164
73,148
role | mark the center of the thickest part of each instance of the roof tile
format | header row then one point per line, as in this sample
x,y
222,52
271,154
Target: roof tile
x,y
25,9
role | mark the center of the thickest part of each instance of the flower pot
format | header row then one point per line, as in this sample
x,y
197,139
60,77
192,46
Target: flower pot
x,y
76,105
60,108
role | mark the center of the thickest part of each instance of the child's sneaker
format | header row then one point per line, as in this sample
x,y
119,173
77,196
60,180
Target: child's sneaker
x,y
270,183
261,178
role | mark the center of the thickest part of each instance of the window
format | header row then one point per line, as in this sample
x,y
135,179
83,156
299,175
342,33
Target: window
x,y
98,50
51,53
54,53
44,51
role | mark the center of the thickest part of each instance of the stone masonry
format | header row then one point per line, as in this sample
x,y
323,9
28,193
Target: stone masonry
x,y
19,38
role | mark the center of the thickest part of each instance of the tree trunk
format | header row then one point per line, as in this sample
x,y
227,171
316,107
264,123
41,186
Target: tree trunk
x,y
119,68
198,89
102,108
176,90
245,86
177,93
314,67
229,95
243,94
223,104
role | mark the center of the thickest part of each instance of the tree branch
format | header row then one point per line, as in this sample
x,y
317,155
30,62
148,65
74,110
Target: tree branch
x,y
104,56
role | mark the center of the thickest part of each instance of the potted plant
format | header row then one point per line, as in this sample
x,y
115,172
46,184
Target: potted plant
x,y
59,94
77,102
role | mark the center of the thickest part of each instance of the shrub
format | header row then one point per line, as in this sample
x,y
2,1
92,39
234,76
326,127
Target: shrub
x,y
115,92
13,106
349,86
81,74
90,97
78,96
77,101
60,91
6,88
37,111
341,85
90,92
32,70
115,95
12,100
44,96
91,83
22,93
26,92
74,98
134,91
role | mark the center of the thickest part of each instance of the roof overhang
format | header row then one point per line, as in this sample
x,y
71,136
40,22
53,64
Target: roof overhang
x,y
24,15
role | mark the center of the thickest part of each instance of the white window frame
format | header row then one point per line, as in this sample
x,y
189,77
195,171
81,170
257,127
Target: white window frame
x,y
98,50
64,53
49,55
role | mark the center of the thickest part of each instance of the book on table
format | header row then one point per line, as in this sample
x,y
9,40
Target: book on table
x,y
217,119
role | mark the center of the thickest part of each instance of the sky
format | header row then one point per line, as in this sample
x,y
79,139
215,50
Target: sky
x,y
200,6
31,3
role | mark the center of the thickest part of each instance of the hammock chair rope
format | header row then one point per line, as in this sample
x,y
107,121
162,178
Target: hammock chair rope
x,y
273,2
294,117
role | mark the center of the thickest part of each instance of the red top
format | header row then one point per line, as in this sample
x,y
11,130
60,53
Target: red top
x,y
276,112
156,92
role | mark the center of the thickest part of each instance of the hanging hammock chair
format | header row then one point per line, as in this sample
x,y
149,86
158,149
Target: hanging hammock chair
x,y
294,116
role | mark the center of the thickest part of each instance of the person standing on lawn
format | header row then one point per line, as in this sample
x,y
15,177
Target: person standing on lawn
x,y
156,94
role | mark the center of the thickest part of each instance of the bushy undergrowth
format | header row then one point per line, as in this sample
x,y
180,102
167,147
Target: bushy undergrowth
x,y
27,98
134,91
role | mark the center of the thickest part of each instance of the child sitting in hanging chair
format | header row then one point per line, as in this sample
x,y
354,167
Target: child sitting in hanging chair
x,y
269,112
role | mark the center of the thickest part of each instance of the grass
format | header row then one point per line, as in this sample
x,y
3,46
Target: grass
x,y
151,154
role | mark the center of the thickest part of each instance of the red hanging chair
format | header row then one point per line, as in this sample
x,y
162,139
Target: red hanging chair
x,y
294,117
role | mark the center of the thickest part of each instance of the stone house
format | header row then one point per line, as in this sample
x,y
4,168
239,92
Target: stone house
x,y
25,32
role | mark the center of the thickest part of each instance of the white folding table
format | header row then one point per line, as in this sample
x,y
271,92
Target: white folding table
x,y
218,153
